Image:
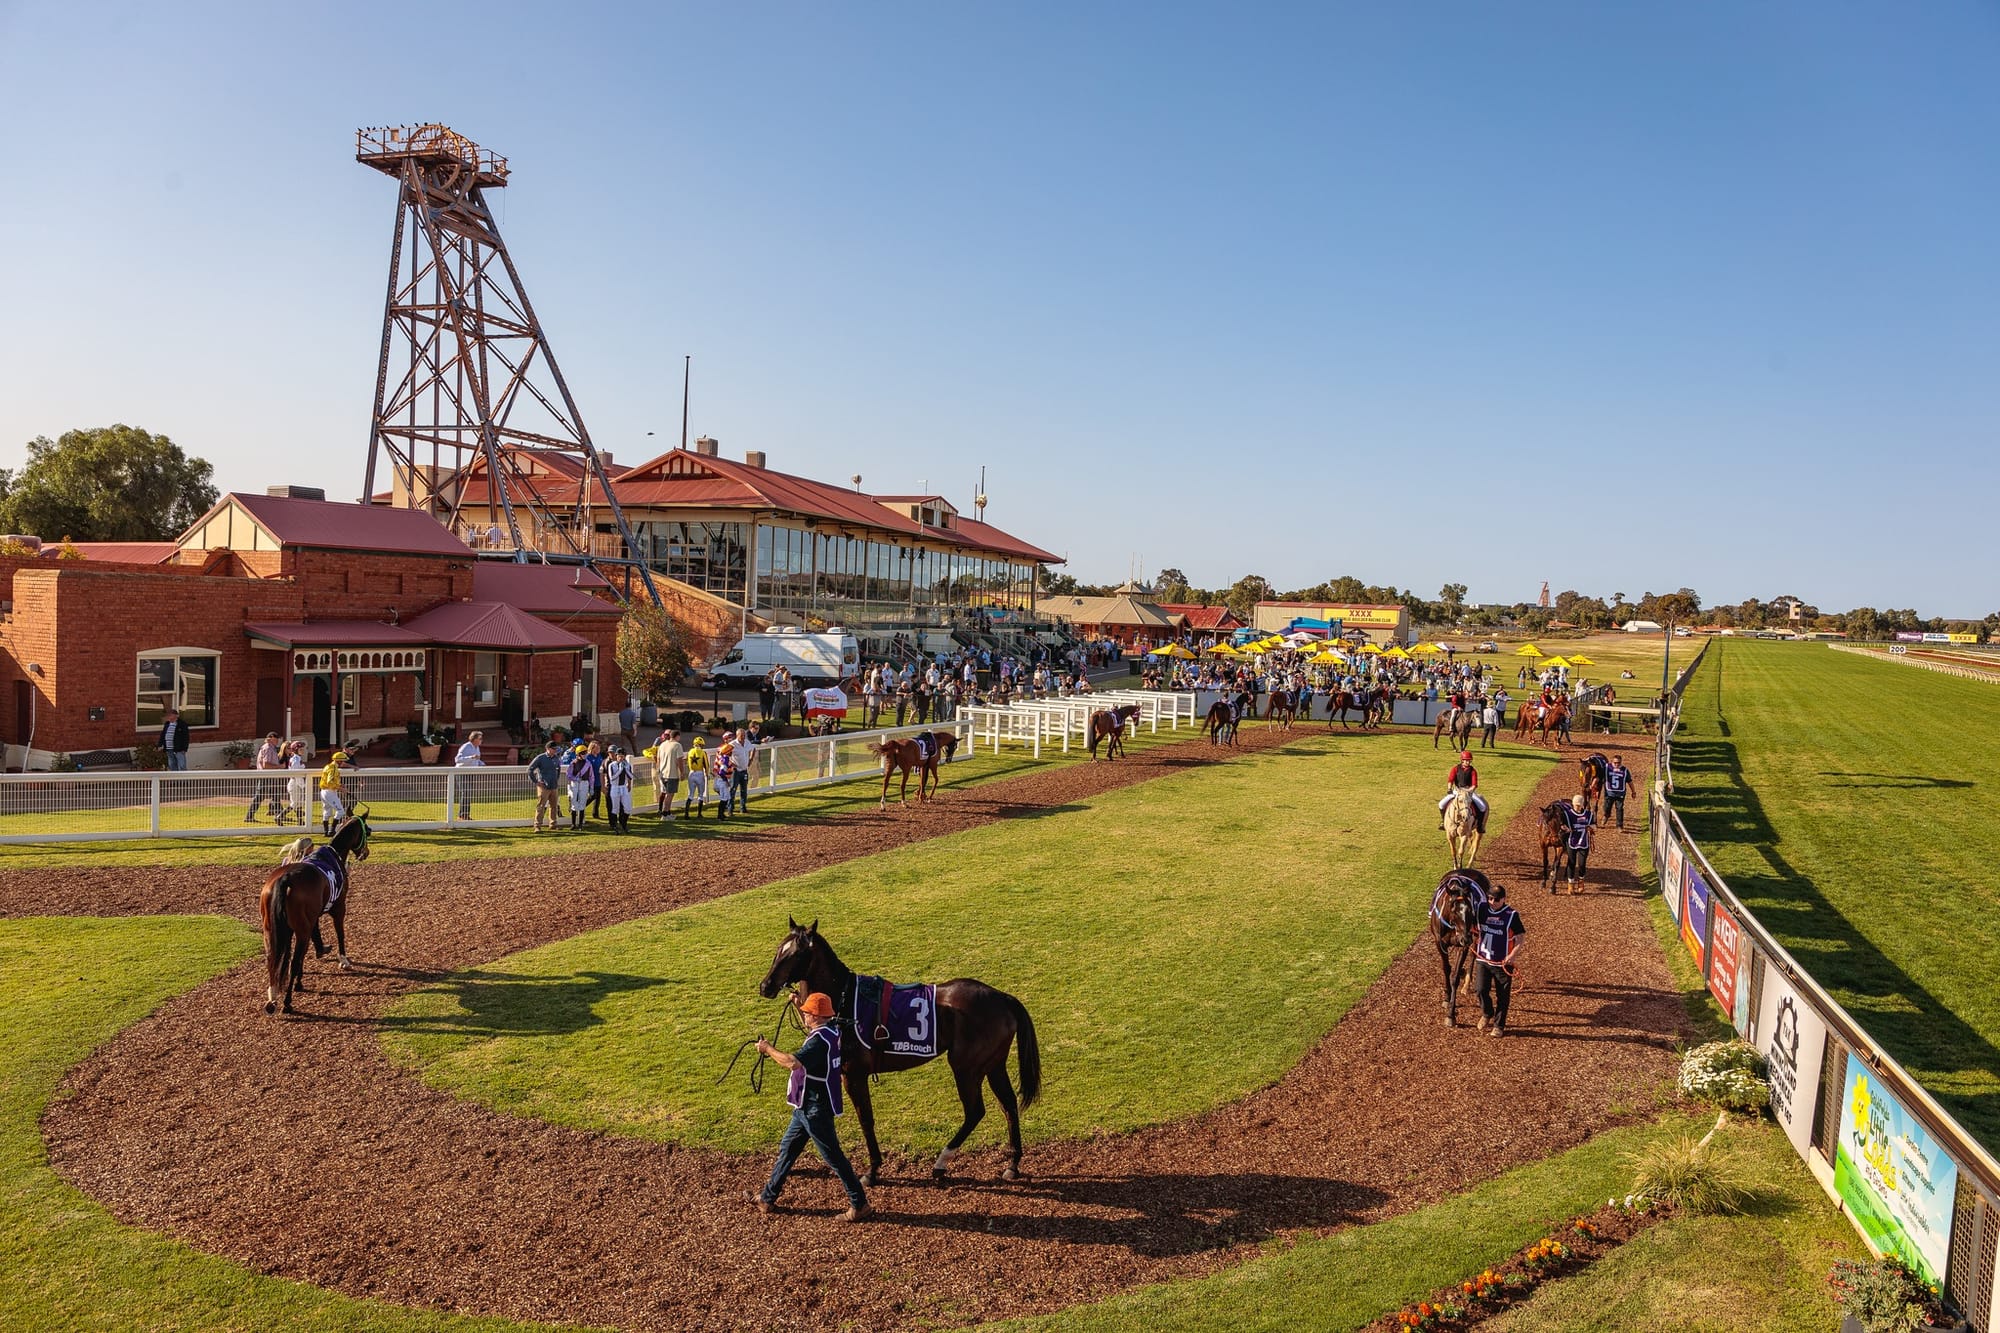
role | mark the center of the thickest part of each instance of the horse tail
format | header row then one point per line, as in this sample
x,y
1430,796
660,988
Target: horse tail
x,y
278,887
1030,1051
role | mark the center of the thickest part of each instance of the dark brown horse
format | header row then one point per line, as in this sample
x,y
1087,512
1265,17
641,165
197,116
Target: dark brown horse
x,y
1555,819
1109,726
1220,724
976,1025
1590,781
1454,925
294,898
1340,701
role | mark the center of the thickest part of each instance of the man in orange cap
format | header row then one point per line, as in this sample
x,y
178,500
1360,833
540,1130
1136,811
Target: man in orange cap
x,y
813,1089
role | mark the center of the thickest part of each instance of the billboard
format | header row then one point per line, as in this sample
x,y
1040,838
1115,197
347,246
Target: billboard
x,y
1792,1041
1725,960
1673,875
1908,636
1898,1185
1694,920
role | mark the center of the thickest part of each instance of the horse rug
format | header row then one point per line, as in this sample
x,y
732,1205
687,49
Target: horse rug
x,y
327,861
826,703
898,1020
1468,886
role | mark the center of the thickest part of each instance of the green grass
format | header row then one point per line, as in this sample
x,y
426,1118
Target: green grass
x,y
1850,803
1263,894
66,985
1765,1269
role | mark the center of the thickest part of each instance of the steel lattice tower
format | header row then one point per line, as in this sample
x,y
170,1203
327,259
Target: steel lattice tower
x,y
472,418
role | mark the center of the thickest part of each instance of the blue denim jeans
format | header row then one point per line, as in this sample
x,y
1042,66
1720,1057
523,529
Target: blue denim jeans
x,y
177,761
818,1126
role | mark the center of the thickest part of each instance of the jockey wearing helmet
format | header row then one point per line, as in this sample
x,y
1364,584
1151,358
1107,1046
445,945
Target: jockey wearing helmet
x,y
1464,775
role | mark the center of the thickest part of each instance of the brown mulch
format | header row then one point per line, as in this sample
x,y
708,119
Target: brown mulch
x,y
299,1150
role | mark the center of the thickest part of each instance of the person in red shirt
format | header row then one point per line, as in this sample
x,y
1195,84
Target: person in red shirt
x,y
1463,774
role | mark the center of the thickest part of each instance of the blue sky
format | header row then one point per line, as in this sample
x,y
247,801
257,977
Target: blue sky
x,y
1621,297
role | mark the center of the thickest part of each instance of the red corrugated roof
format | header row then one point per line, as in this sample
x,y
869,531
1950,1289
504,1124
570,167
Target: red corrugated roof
x,y
1202,617
546,589
492,627
336,634
330,525
129,553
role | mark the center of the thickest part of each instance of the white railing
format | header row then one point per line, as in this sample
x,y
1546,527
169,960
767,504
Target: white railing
x,y
1907,659
101,807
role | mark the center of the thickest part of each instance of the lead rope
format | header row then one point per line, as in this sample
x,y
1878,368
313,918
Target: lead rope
x,y
757,1066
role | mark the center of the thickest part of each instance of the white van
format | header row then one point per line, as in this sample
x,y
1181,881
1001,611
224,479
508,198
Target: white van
x,y
813,659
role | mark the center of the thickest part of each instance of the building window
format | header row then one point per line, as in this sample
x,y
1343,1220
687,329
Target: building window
x,y
588,681
178,678
350,695
485,679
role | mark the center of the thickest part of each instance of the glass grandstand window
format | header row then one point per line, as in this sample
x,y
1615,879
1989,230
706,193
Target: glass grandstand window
x,y
179,678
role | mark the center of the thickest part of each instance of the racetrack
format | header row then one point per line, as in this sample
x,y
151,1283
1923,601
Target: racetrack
x,y
298,1149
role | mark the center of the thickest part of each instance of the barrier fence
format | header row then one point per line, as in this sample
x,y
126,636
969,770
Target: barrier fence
x,y
1910,1178
1888,653
102,807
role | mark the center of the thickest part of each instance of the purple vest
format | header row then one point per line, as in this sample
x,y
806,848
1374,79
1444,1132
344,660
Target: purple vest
x,y
795,1084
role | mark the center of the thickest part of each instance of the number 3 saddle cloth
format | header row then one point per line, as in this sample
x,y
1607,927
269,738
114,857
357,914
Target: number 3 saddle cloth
x,y
897,1020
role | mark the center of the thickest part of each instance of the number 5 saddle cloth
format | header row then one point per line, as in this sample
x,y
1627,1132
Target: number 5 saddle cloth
x,y
897,1020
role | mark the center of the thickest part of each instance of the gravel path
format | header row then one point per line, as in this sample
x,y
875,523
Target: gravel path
x,y
299,1150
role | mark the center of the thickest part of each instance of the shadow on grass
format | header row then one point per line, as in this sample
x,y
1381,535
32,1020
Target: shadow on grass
x,y
1897,781
1896,1010
1158,1216
503,1004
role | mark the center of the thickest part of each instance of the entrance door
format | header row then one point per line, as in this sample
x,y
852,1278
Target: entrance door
x,y
322,712
271,706
24,714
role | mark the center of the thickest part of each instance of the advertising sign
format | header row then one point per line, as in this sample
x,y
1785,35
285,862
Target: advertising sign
x,y
1725,957
1792,1040
1673,875
1961,638
1694,921
1908,636
1898,1185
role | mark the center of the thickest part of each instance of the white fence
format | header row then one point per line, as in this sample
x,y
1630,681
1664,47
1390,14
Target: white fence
x,y
1031,722
1947,668
98,807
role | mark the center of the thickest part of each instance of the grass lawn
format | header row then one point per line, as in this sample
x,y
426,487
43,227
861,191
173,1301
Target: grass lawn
x,y
66,985
1268,892
1848,801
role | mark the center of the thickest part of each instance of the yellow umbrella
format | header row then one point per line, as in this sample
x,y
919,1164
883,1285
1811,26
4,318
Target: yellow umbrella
x,y
1327,658
1578,659
1555,662
1397,652
1527,650
1370,648
1171,650
1427,650
1223,650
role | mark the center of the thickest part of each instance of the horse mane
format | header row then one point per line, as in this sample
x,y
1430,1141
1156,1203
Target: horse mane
x,y
298,849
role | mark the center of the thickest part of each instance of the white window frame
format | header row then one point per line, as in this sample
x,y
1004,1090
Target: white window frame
x,y
173,699
350,696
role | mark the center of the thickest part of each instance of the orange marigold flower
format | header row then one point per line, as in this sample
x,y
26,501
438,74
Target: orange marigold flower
x,y
1424,1309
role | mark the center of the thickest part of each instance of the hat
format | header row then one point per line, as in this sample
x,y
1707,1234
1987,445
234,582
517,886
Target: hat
x,y
698,740
1465,754
1577,800
817,1006
340,756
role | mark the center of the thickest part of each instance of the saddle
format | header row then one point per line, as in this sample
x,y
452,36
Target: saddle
x,y
327,861
897,1020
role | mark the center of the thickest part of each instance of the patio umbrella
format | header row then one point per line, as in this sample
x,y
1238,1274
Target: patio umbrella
x,y
1370,648
1327,659
1223,650
1427,650
1578,659
1555,662
1527,650
1171,650
1397,652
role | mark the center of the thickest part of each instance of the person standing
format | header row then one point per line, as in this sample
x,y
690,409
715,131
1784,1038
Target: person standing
x,y
1617,781
722,773
871,698
545,772
594,756
270,794
618,790
767,695
741,759
468,756
1499,944
1576,848
781,682
812,1090
578,776
697,766
1489,726
174,740
670,769
298,789
332,793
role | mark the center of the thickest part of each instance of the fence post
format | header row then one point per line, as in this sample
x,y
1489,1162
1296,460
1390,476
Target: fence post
x,y
450,791
153,805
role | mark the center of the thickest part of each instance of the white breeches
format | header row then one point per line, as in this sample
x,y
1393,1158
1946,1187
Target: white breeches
x,y
620,799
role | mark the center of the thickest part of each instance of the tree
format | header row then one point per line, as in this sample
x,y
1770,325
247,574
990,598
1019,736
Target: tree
x,y
108,484
1171,585
1677,608
652,653
1451,599
1244,594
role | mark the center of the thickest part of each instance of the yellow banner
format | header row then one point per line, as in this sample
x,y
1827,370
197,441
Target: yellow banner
x,y
1961,638
1382,617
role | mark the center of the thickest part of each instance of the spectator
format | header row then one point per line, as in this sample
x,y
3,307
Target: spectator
x,y
545,772
174,740
741,759
670,769
468,756
1489,726
271,794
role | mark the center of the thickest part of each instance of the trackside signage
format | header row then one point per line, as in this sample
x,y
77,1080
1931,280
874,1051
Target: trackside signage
x,y
1673,875
1792,1039
1898,1185
1694,923
1725,961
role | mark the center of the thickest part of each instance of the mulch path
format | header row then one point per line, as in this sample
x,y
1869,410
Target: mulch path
x,y
297,1149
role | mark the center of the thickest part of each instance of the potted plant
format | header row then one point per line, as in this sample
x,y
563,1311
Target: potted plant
x,y
238,754
1885,1296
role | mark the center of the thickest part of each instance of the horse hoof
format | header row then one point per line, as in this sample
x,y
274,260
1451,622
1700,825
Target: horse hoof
x,y
270,1007
1010,1174
344,965
937,1173
1450,1022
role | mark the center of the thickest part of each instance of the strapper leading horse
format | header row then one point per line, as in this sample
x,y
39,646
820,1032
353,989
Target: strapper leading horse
x,y
1454,924
293,899
976,1025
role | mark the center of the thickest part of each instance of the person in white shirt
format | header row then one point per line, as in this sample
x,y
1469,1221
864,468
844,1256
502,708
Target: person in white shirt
x,y
744,754
270,794
670,769
468,756
296,786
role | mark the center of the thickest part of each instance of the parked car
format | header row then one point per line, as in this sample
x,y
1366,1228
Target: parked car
x,y
1489,647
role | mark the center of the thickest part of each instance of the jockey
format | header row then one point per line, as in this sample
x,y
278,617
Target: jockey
x,y
1464,775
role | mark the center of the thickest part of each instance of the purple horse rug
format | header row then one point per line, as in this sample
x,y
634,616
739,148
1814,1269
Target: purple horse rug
x,y
896,1020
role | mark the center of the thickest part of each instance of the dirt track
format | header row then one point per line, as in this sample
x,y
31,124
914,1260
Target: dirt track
x,y
372,1184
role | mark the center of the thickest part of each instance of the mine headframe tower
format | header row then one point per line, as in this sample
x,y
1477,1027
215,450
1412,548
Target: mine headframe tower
x,y
473,420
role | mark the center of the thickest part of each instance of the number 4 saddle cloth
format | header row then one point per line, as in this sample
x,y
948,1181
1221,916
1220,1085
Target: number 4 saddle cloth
x,y
897,1020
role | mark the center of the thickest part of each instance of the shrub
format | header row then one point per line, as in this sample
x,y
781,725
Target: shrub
x,y
1728,1074
1681,1172
1884,1295
148,757
63,763
237,752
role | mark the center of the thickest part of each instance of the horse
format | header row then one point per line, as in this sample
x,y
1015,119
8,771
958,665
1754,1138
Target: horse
x,y
1340,701
1110,725
295,896
976,1025
1548,728
1283,709
1454,926
1524,719
1553,836
1461,828
1590,781
907,757
944,745
1458,721
1220,724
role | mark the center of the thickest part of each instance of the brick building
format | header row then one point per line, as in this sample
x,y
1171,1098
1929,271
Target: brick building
x,y
335,622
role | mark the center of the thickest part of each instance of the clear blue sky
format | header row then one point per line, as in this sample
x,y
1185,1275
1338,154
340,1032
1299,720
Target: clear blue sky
x,y
1619,296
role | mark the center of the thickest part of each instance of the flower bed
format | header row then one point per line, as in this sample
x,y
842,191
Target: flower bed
x,y
1569,1249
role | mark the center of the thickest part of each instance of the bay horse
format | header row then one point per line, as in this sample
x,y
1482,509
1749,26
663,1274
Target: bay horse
x,y
293,899
1282,709
1110,726
976,1025
1454,926
1458,721
1340,701
1553,836
1461,828
1220,724
1590,780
